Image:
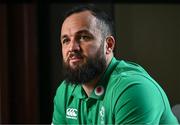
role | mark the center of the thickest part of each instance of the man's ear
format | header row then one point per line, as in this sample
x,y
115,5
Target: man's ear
x,y
110,43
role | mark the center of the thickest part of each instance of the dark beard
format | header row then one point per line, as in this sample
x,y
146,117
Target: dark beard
x,y
86,72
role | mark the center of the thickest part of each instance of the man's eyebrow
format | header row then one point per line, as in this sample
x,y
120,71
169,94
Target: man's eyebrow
x,y
83,31
64,36
78,32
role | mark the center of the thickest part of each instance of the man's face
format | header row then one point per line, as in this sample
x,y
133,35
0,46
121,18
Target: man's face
x,y
82,48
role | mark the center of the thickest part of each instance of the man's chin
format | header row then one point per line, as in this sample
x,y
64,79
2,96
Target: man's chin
x,y
75,66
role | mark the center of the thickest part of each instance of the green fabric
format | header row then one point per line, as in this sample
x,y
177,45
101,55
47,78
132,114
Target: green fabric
x,y
130,96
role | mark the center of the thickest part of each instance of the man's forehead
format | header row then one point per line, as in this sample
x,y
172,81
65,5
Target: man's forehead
x,y
84,13
78,22
80,16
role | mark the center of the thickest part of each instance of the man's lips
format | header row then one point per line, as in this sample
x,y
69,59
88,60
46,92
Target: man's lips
x,y
75,59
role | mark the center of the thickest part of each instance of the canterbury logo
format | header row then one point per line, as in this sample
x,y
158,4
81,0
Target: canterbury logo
x,y
71,113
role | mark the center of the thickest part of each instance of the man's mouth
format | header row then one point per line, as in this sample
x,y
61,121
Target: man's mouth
x,y
75,59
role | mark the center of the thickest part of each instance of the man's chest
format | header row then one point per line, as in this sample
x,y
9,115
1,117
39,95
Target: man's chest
x,y
89,111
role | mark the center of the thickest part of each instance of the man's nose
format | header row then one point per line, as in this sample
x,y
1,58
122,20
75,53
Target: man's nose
x,y
74,46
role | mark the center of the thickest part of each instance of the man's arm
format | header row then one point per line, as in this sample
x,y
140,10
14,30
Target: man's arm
x,y
59,103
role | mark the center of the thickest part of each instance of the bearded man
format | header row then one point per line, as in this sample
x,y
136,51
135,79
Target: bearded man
x,y
98,88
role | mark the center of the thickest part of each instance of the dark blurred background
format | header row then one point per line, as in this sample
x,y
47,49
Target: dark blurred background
x,y
30,54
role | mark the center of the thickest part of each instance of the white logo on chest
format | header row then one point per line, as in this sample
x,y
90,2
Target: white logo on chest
x,y
71,113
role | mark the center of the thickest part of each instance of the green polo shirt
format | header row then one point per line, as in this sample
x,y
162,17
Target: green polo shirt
x,y
125,94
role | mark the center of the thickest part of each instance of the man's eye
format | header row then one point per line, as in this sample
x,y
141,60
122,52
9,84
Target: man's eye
x,y
64,41
85,38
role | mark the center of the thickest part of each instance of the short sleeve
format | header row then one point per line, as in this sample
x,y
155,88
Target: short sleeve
x,y
59,104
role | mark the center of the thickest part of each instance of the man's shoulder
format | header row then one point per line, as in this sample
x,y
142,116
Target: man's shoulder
x,y
128,74
127,70
64,87
128,67
129,81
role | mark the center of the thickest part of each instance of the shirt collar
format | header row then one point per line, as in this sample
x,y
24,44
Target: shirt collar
x,y
100,89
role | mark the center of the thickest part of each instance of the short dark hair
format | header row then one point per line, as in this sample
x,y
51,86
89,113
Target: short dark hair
x,y
107,23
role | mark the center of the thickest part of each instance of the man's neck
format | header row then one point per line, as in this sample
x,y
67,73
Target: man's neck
x,y
89,87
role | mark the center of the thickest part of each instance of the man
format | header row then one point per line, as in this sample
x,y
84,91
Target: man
x,y
98,89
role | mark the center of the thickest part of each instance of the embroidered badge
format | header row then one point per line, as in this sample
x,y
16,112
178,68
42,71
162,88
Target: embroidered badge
x,y
99,90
